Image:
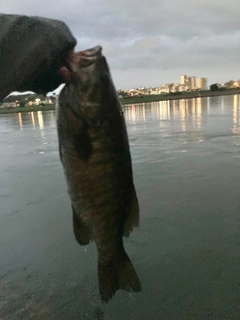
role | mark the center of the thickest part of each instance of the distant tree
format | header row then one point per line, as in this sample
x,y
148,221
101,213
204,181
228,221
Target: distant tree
x,y
52,97
214,87
22,104
123,94
229,83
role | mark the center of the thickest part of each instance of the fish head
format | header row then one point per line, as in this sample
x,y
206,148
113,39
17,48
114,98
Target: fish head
x,y
89,80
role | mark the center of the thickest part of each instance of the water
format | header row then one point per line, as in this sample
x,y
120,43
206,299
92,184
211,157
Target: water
x,y
186,162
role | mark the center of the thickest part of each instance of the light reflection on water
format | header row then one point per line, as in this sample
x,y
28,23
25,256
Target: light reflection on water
x,y
37,119
236,118
167,110
190,112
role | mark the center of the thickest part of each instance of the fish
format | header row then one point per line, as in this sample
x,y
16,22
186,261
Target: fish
x,y
95,155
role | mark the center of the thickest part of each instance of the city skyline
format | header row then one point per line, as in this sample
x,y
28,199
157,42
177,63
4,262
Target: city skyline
x,y
154,42
191,82
57,91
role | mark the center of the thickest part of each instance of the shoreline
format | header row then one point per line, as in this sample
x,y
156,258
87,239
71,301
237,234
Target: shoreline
x,y
47,107
184,95
133,100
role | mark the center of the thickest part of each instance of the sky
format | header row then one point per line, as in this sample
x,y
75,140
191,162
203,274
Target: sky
x,y
151,42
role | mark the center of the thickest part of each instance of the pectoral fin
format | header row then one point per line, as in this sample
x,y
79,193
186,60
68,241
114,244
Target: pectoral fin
x,y
132,216
82,232
60,151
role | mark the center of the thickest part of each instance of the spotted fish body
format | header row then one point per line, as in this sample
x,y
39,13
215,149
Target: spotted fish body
x,y
94,151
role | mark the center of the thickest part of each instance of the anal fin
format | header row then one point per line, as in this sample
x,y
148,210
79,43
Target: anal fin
x,y
82,232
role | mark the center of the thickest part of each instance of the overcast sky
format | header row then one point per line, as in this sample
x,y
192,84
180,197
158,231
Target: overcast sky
x,y
151,42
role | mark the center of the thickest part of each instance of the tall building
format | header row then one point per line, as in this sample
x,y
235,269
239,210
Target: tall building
x,y
202,83
184,79
189,82
193,82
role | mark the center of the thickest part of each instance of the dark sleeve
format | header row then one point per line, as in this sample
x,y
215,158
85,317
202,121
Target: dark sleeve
x,y
31,51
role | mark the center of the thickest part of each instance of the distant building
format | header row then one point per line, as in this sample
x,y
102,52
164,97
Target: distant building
x,y
202,83
184,79
181,88
187,81
193,82
175,87
155,91
165,88
9,105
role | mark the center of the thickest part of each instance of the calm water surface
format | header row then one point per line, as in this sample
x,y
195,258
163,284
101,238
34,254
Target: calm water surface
x,y
186,162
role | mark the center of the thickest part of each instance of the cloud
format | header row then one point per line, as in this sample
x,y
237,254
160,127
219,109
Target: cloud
x,y
151,42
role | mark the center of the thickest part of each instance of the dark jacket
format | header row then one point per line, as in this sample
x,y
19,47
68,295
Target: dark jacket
x,y
31,51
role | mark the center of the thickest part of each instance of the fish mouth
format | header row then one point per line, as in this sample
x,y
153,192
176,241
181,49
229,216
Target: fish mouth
x,y
86,58
92,52
79,62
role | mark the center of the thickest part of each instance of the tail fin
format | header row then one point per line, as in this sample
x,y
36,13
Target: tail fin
x,y
118,273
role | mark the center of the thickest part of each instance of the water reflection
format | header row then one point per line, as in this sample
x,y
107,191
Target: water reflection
x,y
33,120
223,104
20,120
36,120
40,120
236,118
189,113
